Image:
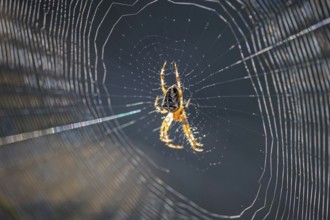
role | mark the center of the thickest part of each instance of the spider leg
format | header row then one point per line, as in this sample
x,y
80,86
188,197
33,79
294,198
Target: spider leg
x,y
178,82
187,103
190,135
159,109
165,127
164,132
173,146
162,82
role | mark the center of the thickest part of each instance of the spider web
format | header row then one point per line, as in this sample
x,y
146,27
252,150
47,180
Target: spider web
x,y
84,76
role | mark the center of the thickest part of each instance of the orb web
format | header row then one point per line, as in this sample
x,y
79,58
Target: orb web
x,y
83,76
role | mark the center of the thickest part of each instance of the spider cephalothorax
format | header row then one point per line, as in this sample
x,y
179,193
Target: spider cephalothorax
x,y
174,106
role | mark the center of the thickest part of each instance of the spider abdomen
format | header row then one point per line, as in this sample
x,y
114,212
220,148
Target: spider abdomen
x,y
171,101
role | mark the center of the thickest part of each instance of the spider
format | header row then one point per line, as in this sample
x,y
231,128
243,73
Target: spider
x,y
174,106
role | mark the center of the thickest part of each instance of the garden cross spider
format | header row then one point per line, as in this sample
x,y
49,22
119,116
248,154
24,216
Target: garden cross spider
x,y
174,107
